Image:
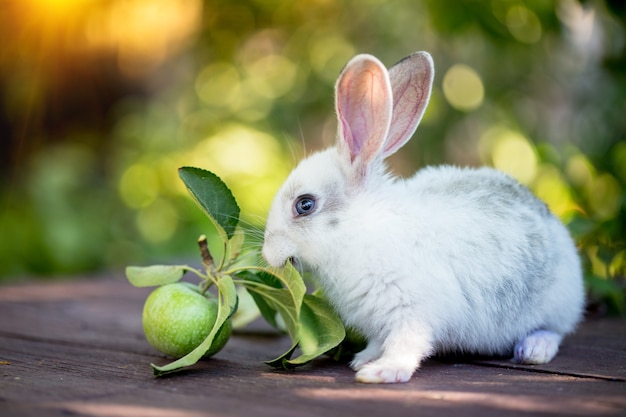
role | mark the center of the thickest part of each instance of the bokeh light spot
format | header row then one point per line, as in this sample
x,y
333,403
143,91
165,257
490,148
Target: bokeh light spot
x,y
250,161
139,186
463,87
329,53
58,9
550,187
512,153
598,266
217,84
579,170
604,196
523,24
151,31
238,150
272,76
157,222
617,267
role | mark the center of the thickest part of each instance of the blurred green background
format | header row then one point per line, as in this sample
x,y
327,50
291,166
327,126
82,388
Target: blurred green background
x,y
102,100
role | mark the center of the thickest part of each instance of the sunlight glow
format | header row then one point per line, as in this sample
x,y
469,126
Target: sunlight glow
x,y
95,409
250,161
152,29
58,9
142,33
448,400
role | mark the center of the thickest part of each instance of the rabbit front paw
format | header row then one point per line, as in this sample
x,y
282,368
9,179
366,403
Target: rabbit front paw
x,y
367,355
537,348
380,372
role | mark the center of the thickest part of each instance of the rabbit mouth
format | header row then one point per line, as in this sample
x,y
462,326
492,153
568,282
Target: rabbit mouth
x,y
296,263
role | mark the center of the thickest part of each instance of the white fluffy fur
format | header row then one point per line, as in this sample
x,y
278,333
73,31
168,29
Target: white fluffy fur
x,y
450,260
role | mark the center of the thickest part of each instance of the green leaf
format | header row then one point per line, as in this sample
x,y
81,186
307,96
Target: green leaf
x,y
281,301
268,312
319,331
214,197
277,290
280,361
150,276
227,297
311,322
288,276
320,328
354,343
266,286
235,245
260,277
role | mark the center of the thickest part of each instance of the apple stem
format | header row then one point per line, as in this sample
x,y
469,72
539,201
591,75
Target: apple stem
x,y
206,284
207,259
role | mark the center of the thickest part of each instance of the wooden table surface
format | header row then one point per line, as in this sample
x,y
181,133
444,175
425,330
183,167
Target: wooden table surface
x,y
77,348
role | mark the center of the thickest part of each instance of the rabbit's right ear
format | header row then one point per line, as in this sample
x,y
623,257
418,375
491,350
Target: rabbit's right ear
x,y
411,82
363,100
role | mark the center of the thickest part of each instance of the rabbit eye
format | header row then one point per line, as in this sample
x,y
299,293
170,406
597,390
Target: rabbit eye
x,y
304,205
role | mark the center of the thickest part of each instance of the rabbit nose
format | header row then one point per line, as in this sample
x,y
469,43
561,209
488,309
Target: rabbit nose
x,y
272,254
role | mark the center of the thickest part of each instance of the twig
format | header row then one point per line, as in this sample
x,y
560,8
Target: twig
x,y
207,259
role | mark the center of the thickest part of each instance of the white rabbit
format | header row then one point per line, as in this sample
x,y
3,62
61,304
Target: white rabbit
x,y
450,260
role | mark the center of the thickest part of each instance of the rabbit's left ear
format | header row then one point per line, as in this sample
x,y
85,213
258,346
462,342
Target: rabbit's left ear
x,y
411,83
363,101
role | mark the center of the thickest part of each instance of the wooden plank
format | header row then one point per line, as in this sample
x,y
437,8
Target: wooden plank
x,y
45,377
78,348
596,350
89,312
83,312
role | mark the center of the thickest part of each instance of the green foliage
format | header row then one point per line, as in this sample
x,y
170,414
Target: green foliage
x,y
214,197
150,276
536,88
310,321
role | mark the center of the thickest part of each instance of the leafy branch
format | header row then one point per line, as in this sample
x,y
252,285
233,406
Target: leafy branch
x,y
310,321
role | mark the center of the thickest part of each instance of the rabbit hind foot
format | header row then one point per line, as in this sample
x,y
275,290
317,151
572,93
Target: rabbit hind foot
x,y
537,348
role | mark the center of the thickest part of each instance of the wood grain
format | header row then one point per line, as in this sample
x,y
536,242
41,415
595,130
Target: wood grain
x,y
77,348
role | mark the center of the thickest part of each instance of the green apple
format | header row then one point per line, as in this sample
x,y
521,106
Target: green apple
x,y
177,318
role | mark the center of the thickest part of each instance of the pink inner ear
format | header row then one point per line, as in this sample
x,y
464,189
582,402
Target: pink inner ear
x,y
411,81
407,97
364,107
353,145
